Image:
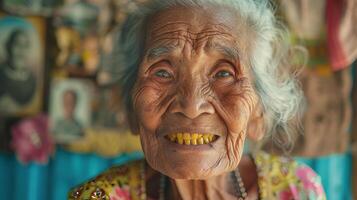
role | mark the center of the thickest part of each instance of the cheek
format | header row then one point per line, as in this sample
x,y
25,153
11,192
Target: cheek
x,y
144,104
149,101
235,105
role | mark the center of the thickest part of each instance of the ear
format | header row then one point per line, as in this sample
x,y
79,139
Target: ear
x,y
256,125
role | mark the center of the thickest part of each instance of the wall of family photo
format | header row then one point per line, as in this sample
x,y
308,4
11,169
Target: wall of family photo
x,y
61,116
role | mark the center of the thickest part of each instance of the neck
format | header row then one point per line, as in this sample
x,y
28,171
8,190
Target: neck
x,y
218,187
214,188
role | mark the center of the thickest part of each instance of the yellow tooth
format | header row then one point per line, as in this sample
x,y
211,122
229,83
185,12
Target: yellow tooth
x,y
179,138
172,137
200,140
187,141
210,137
192,139
186,136
205,138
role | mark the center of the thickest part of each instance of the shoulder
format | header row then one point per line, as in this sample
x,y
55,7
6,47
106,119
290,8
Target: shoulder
x,y
283,178
116,183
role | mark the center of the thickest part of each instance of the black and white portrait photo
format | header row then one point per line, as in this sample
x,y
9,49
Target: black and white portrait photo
x,y
70,109
20,66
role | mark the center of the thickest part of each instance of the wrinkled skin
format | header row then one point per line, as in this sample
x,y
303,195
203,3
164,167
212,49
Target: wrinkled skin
x,y
194,78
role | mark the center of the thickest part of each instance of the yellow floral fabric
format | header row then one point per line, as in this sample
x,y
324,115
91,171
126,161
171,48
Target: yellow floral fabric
x,y
117,183
278,178
283,178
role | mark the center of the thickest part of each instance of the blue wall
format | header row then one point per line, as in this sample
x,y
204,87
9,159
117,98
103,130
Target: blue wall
x,y
52,181
65,170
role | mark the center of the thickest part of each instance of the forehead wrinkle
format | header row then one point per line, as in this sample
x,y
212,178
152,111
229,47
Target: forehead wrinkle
x,y
167,26
187,29
190,34
177,38
170,25
192,29
187,34
197,40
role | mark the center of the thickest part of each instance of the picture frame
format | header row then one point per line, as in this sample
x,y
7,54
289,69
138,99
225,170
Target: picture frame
x,y
70,109
22,43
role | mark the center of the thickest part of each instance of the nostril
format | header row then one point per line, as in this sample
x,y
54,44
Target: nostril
x,y
192,109
208,108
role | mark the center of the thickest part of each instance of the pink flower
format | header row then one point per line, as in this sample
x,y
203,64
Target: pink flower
x,y
120,193
309,179
291,193
31,140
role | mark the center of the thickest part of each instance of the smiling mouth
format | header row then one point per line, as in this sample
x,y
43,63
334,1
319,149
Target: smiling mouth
x,y
191,138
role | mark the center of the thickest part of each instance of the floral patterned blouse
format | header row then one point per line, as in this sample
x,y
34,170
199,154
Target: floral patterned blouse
x,y
278,178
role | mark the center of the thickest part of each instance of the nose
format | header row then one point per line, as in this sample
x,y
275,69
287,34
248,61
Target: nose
x,y
191,104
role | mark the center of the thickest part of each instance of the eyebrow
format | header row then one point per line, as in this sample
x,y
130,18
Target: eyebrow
x,y
229,51
156,52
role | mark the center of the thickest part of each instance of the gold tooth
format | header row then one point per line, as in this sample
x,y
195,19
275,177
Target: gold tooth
x,y
210,137
179,138
187,141
205,138
192,139
172,137
200,140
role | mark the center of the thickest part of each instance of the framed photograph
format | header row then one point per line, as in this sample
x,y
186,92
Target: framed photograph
x,y
21,65
70,109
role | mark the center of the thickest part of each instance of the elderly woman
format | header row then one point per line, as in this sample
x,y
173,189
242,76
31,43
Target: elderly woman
x,y
199,78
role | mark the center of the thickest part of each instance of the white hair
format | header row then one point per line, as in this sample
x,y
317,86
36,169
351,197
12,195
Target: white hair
x,y
275,83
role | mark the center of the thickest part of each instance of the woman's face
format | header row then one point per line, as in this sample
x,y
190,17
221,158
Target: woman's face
x,y
194,98
20,51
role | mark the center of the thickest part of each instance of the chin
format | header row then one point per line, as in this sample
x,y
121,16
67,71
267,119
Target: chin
x,y
189,166
189,169
189,160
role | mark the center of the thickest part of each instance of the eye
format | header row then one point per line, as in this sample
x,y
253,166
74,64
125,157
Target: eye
x,y
163,74
223,74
